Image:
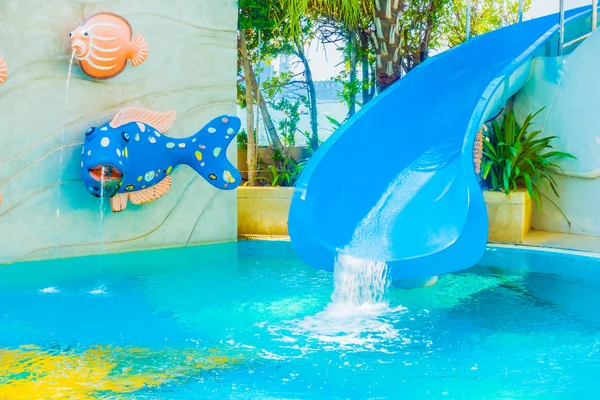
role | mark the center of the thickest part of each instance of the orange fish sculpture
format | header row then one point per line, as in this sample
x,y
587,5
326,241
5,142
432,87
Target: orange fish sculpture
x,y
3,70
103,44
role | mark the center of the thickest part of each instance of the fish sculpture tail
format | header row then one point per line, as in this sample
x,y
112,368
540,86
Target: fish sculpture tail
x,y
3,70
207,152
139,51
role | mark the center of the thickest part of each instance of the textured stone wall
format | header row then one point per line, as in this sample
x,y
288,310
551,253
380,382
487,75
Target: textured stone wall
x,y
191,69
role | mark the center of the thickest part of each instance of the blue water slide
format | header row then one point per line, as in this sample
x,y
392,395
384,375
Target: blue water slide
x,y
396,182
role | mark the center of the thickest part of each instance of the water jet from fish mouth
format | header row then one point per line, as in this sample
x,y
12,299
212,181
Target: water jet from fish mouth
x,y
78,48
62,146
105,172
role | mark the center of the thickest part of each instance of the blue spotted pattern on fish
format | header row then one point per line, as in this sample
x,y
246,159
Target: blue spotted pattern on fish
x,y
131,158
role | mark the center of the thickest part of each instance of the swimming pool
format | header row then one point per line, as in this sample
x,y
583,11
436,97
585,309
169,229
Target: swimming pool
x,y
248,320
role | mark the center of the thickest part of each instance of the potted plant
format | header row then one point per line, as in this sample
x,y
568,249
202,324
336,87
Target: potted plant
x,y
515,163
263,210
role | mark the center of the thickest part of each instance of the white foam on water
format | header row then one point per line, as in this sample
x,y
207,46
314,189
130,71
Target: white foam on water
x,y
359,317
98,291
365,325
50,289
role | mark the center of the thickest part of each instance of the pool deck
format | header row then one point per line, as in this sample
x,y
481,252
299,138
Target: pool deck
x,y
563,241
538,239
281,238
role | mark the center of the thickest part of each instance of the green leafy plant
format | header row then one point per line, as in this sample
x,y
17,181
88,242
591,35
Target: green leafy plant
x,y
242,140
284,172
334,121
288,125
514,157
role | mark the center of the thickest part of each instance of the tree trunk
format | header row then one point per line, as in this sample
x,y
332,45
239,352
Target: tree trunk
x,y
312,97
353,61
364,61
249,78
429,25
387,42
268,121
373,83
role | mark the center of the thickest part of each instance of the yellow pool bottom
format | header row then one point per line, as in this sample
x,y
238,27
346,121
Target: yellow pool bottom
x,y
100,372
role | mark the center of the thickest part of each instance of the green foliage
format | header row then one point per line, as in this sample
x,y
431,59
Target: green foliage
x,y
288,126
274,86
258,19
334,121
351,85
242,140
285,172
259,15
514,157
310,139
353,13
486,16
422,18
421,24
351,88
266,39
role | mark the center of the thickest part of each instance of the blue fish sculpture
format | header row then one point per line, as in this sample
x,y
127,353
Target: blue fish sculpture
x,y
130,159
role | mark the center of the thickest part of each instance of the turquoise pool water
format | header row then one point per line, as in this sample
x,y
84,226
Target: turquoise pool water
x,y
250,321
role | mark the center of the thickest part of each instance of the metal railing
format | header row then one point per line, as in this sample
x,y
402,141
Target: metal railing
x,y
561,28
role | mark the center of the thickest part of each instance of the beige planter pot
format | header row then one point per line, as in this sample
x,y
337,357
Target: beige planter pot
x,y
509,216
264,210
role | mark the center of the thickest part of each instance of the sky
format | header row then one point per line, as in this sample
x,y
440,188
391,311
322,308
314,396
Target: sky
x,y
325,60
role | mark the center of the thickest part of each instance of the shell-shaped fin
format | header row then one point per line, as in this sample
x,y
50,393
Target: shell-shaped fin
x,y
159,121
118,202
152,193
139,51
3,70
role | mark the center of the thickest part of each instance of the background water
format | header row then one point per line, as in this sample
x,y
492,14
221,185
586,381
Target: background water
x,y
250,321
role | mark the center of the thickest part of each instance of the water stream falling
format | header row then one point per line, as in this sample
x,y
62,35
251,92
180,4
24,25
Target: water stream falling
x,y
62,143
358,282
100,288
102,178
359,314
357,279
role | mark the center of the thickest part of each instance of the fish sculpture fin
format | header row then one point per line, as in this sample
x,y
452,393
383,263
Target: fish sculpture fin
x,y
162,122
139,50
119,202
3,70
152,193
208,153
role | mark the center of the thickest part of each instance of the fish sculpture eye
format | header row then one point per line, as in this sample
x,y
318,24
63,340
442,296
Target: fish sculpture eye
x,y
90,131
86,33
70,34
125,136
